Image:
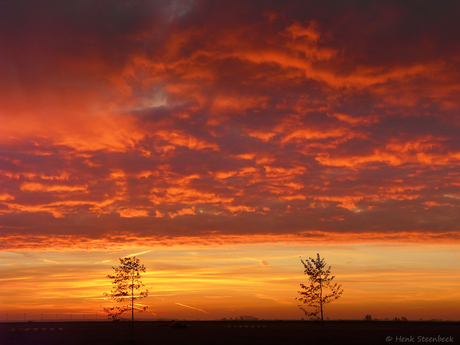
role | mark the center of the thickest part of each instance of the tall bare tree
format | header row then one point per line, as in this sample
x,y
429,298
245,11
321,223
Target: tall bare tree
x,y
127,281
321,290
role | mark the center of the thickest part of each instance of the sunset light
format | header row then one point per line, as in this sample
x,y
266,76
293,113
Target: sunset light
x,y
220,143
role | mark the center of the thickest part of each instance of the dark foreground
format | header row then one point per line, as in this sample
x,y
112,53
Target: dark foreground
x,y
230,332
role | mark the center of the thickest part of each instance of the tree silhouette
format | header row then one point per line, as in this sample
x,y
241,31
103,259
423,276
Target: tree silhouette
x,y
126,280
316,294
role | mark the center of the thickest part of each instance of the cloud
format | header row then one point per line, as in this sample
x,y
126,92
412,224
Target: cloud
x,y
130,213
176,121
118,241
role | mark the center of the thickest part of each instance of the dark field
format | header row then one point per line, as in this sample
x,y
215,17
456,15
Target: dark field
x,y
230,332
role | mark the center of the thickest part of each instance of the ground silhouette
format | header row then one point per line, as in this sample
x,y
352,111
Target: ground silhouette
x,y
225,332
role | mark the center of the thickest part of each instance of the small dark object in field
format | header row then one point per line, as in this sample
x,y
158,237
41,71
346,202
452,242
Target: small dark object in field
x,y
179,325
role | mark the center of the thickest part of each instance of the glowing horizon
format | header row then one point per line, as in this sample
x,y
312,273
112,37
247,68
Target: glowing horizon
x,y
228,281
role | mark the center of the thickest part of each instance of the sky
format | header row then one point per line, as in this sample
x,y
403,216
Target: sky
x,y
223,141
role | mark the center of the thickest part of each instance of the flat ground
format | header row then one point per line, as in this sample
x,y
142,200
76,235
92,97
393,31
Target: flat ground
x,y
229,333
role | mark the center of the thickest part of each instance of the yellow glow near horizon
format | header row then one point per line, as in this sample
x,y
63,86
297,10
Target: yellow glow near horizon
x,y
262,280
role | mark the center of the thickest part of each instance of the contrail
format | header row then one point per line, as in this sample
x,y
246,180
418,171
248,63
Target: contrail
x,y
51,261
160,296
32,256
187,306
138,253
455,253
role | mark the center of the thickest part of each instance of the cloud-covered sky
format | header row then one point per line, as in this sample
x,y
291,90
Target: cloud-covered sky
x,y
138,121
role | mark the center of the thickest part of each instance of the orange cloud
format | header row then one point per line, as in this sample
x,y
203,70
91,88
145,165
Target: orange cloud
x,y
117,241
130,213
32,187
283,124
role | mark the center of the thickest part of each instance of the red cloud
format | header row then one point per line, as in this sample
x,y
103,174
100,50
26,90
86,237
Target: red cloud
x,y
178,121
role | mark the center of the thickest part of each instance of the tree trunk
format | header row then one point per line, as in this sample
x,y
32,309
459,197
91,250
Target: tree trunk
x,y
132,308
321,297
132,297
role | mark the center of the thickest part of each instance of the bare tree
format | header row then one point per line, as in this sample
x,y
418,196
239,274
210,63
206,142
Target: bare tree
x,y
127,282
320,291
